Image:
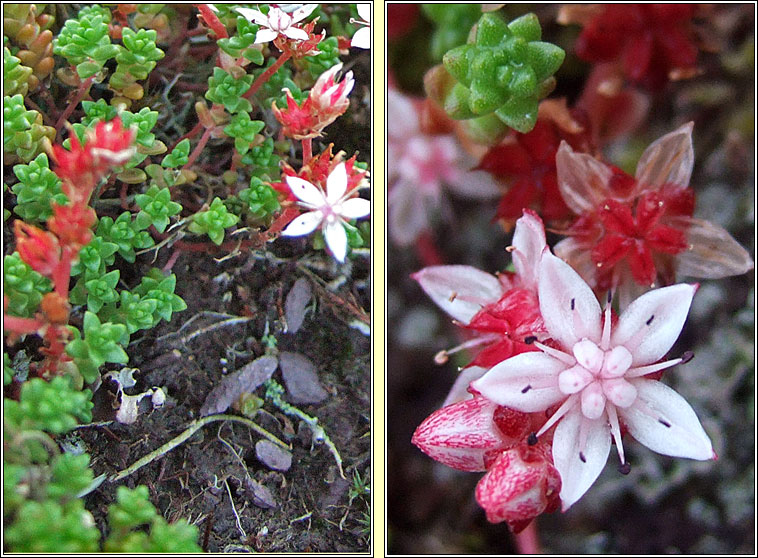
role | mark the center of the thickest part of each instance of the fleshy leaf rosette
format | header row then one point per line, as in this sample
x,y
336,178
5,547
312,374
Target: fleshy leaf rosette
x,y
505,70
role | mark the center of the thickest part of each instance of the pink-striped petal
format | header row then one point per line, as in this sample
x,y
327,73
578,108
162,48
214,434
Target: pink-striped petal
x,y
669,159
304,224
460,290
579,464
663,421
582,179
459,435
652,323
527,382
568,306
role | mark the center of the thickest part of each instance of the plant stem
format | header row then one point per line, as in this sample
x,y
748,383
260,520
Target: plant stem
x,y
184,436
198,148
307,150
74,102
213,21
527,541
264,77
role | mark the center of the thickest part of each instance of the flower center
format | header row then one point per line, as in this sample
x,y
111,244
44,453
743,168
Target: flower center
x,y
599,376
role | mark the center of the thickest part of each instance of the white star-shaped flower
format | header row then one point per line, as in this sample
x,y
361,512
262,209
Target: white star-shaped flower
x,y
598,377
278,22
328,211
362,37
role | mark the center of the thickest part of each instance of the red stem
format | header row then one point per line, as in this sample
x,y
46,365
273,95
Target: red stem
x,y
21,326
191,134
527,541
213,21
264,77
198,148
73,103
307,150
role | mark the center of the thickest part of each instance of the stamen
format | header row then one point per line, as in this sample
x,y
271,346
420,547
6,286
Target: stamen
x,y
573,303
581,456
530,339
605,341
565,407
510,249
625,468
615,430
664,423
555,353
453,296
650,320
638,371
532,439
687,356
527,388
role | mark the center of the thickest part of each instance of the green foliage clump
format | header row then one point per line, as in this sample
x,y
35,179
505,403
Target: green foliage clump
x,y
94,257
131,512
99,345
179,156
506,70
24,134
225,89
84,41
49,526
102,290
241,44
156,208
263,160
159,288
8,371
52,406
135,62
213,221
23,286
125,233
328,56
15,74
261,199
454,21
38,188
243,130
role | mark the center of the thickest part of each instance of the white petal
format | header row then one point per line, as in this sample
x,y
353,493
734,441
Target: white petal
x,y
408,209
255,16
668,159
336,239
582,179
355,208
577,256
304,224
577,475
459,391
336,184
684,437
265,35
362,38
526,382
713,253
460,290
652,323
475,185
403,115
303,12
306,192
295,33
568,306
364,11
529,241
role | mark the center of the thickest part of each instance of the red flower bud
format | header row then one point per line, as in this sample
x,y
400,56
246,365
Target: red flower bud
x,y
39,249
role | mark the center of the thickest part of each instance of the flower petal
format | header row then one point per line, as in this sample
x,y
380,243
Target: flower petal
x,y
355,208
669,159
407,207
306,192
362,38
255,16
304,11
265,35
582,179
336,184
294,33
475,185
526,382
683,437
364,11
578,474
304,224
459,391
652,323
576,254
460,290
459,435
569,307
712,252
529,241
336,240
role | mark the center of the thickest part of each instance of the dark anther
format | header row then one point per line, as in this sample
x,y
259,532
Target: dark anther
x,y
530,339
532,439
624,468
581,456
610,296
664,423
527,388
650,320
573,303
687,356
